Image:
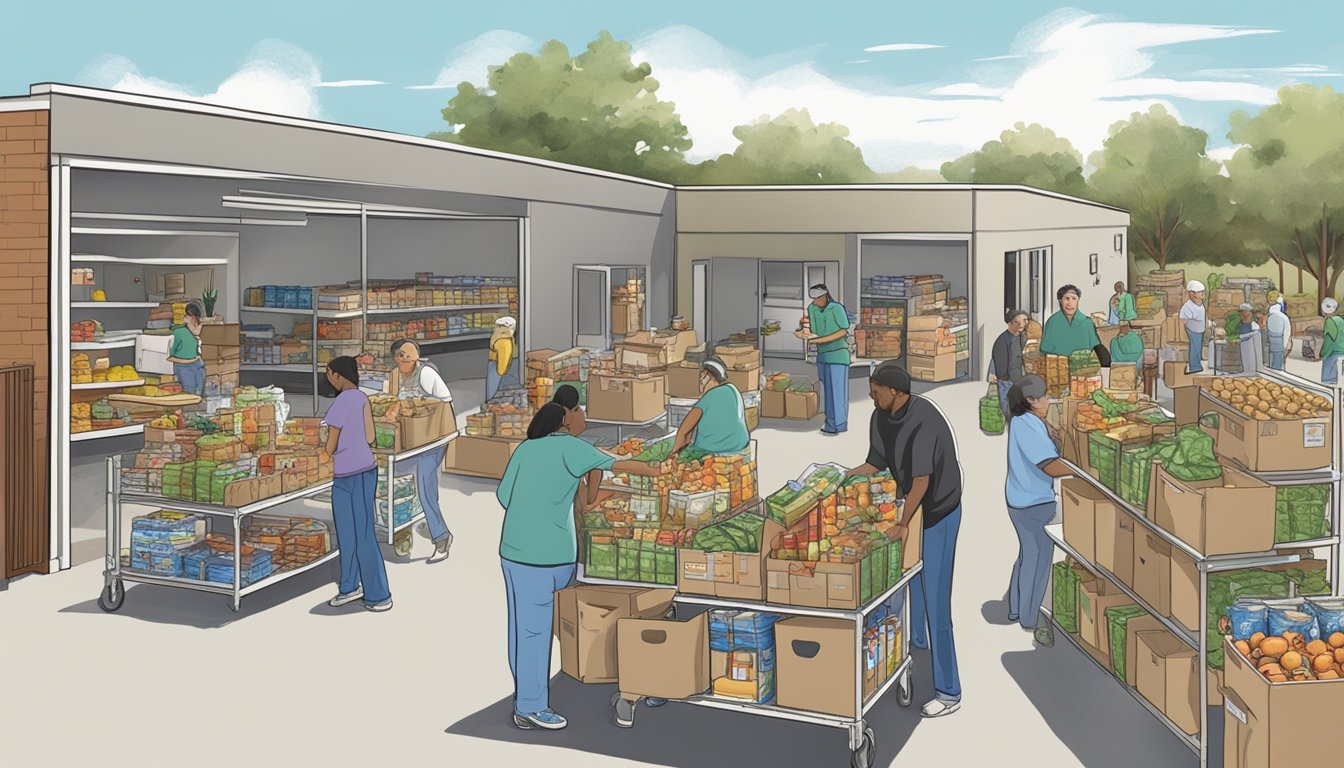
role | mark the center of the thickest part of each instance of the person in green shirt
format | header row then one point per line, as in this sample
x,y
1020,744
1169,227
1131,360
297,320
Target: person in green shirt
x,y
828,323
1333,346
1068,331
1127,347
1122,305
718,422
184,352
538,547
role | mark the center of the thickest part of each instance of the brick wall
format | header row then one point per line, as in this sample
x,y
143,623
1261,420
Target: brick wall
x,y
25,258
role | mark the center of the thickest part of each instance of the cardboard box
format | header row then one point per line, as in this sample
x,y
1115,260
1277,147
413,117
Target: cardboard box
x,y
479,456
415,431
1269,446
629,398
739,356
1264,720
938,368
220,355
675,343
772,404
1115,542
1184,590
1227,515
1167,678
1176,375
802,405
641,357
1124,376
816,665
730,575
241,493
1081,504
917,323
221,334
748,380
1152,570
1173,332
1145,623
626,318
585,619
1094,597
663,658
683,380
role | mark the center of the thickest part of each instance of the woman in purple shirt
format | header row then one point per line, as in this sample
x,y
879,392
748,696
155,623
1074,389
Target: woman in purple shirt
x,y
350,432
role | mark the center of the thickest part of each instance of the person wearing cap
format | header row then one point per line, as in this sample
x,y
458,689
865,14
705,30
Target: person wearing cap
x,y
909,436
1122,305
1033,466
829,326
1127,346
1195,318
1280,331
1333,346
1068,330
1007,358
501,354
414,378
717,423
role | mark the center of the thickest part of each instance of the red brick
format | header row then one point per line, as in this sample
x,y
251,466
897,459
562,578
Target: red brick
x,y
25,161
20,188
25,147
27,132
28,309
17,230
19,118
32,270
23,174
8,324
42,117
39,324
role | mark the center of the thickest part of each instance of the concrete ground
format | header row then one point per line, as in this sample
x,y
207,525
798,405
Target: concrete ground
x,y
176,673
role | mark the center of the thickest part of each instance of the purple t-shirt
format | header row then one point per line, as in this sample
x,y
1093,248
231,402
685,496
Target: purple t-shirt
x,y
353,454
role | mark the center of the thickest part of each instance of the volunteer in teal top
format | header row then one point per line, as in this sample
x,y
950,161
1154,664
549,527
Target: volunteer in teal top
x,y
1333,345
718,422
184,352
1127,347
1122,305
1068,330
829,325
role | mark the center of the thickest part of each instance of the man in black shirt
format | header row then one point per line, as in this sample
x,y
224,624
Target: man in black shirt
x,y
1008,356
910,436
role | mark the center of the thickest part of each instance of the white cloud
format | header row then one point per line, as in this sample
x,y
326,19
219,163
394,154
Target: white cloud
x,y
1222,155
276,77
1010,57
1074,73
858,61
1276,73
900,47
350,83
471,61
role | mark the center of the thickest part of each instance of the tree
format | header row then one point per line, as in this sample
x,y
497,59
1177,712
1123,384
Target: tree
x,y
912,175
788,149
1157,169
1289,174
1027,154
598,109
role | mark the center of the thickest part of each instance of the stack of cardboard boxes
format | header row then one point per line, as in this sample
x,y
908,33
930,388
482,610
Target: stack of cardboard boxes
x,y
221,349
627,308
931,349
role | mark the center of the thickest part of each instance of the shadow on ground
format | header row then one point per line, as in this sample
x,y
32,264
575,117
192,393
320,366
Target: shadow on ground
x,y
1092,715
996,612
684,736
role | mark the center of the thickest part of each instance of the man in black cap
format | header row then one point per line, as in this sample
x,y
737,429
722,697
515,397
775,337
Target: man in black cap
x,y
910,436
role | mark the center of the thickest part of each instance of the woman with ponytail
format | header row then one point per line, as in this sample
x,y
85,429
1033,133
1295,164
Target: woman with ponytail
x,y
539,544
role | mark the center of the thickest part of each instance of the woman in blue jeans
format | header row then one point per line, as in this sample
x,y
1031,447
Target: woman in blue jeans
x,y
538,547
184,352
350,434
1033,465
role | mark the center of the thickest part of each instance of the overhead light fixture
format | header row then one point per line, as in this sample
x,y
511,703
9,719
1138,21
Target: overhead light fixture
x,y
236,220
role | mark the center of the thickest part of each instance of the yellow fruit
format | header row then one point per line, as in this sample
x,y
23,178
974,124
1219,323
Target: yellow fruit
x,y
1274,646
1339,655
1316,648
1291,661
1337,640
1323,663
99,295
1258,637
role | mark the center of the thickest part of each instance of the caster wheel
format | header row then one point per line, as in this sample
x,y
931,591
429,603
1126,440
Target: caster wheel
x,y
402,543
905,690
112,597
671,613
866,754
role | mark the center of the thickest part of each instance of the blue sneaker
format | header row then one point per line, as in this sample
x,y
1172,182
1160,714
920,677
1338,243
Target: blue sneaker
x,y
545,719
653,701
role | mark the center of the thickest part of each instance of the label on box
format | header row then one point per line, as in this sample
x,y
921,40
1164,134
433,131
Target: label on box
x,y
696,571
1313,434
1234,710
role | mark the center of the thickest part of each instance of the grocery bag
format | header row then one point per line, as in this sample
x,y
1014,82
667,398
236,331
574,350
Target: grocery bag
x,y
991,413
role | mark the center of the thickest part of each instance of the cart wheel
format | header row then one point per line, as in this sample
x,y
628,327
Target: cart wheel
x,y
905,689
112,597
672,612
864,756
402,543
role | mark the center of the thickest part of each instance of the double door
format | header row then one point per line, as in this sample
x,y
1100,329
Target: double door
x,y
1029,282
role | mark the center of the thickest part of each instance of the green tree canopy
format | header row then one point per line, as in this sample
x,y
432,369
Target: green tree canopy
x,y
1026,154
1157,169
788,149
1289,178
598,109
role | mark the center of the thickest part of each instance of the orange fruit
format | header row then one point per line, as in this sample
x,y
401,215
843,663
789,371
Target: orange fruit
x,y
1339,655
1323,663
1337,640
1243,647
1291,660
1257,639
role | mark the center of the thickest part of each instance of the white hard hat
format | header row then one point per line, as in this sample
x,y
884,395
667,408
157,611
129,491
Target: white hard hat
x,y
1329,306
507,322
1194,286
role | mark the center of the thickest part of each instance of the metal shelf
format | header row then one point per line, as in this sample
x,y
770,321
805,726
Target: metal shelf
x,y
114,304
323,314
277,368
218,588
434,309
109,385
98,434
118,343
182,505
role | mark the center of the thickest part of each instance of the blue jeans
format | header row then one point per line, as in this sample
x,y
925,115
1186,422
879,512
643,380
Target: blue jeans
x,y
1196,351
191,376
931,605
1004,386
427,467
493,379
531,593
1330,369
1035,550
1276,354
834,378
361,560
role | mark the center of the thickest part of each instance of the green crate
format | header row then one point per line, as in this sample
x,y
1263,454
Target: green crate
x,y
627,562
601,561
1301,513
1064,598
1117,623
880,554
648,565
1103,454
866,580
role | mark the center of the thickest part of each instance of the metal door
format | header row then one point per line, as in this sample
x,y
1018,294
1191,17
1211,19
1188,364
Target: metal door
x,y
24,528
592,307
701,285
1038,282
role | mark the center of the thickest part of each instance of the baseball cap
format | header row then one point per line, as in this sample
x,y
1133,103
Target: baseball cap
x,y
1194,286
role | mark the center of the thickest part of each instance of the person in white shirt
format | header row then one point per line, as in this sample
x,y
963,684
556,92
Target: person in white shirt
x,y
1196,324
1280,330
414,378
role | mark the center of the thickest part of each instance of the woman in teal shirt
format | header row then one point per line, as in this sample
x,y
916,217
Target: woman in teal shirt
x,y
538,547
719,420
184,352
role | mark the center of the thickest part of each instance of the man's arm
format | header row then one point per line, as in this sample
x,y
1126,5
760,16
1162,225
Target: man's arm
x,y
1055,468
918,487
999,358
863,470
687,429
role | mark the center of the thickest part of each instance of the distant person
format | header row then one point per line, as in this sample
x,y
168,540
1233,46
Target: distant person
x,y
829,330
1195,318
1068,330
1127,346
1332,347
1247,333
1007,358
1122,305
717,424
1280,330
184,352
419,379
502,353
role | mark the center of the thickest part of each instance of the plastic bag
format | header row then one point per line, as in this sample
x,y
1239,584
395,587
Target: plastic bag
x,y
991,413
1247,618
1329,613
1295,619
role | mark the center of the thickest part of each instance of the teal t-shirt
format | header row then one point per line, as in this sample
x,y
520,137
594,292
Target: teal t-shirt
x,y
1124,307
723,423
1061,337
185,345
537,493
1334,339
824,322
1127,348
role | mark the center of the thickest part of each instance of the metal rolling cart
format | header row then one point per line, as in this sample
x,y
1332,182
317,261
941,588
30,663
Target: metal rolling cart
x,y
397,535
113,595
1281,554
621,426
862,740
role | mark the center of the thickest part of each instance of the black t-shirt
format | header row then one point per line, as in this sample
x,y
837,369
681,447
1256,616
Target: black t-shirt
x,y
916,442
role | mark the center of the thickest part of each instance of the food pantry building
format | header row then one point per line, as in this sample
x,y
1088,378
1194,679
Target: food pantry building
x,y
112,202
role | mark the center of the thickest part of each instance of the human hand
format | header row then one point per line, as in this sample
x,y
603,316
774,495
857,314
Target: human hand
x,y
993,379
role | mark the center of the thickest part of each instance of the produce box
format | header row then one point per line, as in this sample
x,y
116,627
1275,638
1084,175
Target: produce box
x,y
1081,504
1064,582
1226,515
1263,720
747,380
1264,443
585,620
1124,623
683,380
817,668
627,398
739,357
1167,676
1152,570
936,368
772,404
1094,597
728,559
1115,529
486,457
1301,513
802,403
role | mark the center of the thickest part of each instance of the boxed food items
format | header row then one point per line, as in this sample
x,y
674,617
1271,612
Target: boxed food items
x,y
1094,597
628,398
1301,513
1124,623
822,681
479,456
585,621
727,559
1081,506
1115,529
1229,514
1266,426
663,657
742,654
739,357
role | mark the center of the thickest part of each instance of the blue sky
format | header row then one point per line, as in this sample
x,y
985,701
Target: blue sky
x,y
871,66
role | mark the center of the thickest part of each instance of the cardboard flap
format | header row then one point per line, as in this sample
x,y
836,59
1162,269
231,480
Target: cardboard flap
x,y
595,618
1235,706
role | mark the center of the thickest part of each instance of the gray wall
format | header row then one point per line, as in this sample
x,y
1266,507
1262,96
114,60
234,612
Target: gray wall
x,y
734,297
916,257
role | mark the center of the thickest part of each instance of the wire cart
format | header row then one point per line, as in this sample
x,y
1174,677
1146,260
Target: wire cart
x,y
397,535
862,740
115,575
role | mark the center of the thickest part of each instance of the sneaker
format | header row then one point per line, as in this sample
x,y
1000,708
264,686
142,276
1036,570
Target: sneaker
x,y
379,607
625,711
653,701
346,598
546,720
1044,637
441,548
940,708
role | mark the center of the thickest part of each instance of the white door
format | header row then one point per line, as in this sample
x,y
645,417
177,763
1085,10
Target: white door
x,y
592,307
1038,282
700,298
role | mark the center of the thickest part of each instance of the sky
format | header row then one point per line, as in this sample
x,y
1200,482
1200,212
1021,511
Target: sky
x,y
916,83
